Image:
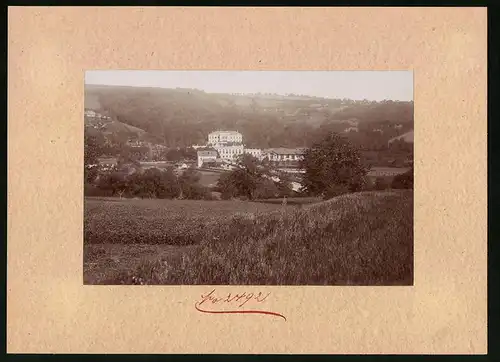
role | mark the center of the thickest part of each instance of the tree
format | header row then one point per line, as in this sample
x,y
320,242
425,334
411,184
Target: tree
x,y
266,188
226,187
134,184
127,155
333,166
90,173
173,154
244,180
92,150
170,183
381,183
190,187
152,183
115,183
284,185
189,153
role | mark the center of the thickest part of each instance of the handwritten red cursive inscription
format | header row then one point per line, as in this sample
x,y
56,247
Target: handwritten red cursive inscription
x,y
213,304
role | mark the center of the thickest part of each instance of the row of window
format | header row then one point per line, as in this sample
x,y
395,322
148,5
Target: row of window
x,y
226,137
226,151
285,157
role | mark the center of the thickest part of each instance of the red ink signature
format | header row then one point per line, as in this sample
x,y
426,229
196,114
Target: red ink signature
x,y
236,301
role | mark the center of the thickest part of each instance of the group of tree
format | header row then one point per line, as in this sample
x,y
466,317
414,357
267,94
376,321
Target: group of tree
x,y
401,181
253,179
152,183
180,153
93,148
404,180
333,166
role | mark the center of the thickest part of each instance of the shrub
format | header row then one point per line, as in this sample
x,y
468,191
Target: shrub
x,y
381,183
226,195
92,190
266,189
403,181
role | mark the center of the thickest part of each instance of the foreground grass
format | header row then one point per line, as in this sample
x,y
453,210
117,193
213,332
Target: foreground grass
x,y
357,239
153,221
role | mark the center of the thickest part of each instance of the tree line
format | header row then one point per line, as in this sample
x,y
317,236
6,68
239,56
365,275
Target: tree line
x,y
180,119
151,183
333,166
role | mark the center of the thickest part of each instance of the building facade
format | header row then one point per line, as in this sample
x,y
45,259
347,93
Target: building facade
x,y
230,153
107,163
227,146
222,137
93,114
206,156
284,154
255,152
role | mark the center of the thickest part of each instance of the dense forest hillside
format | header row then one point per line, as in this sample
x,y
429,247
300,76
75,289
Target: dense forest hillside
x,y
183,117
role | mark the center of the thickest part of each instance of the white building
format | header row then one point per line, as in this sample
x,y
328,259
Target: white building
x,y
284,154
255,152
93,114
206,156
230,152
221,137
227,146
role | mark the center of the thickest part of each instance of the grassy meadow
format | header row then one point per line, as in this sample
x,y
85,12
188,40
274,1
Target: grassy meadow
x,y
356,239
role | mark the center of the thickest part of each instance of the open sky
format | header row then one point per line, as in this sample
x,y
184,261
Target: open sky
x,y
357,85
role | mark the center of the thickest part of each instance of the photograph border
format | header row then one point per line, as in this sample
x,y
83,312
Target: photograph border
x,y
56,70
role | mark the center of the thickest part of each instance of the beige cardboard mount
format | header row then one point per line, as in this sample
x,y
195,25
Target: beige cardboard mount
x,y
49,308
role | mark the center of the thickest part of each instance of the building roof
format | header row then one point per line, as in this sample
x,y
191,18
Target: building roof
x,y
228,132
286,151
222,146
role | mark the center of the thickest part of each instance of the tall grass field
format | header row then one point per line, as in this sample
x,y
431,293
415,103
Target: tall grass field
x,y
357,239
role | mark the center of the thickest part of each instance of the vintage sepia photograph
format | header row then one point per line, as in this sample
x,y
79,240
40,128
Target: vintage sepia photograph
x,y
248,178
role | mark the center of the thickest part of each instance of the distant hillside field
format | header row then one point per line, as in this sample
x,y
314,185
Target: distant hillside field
x,y
355,239
183,117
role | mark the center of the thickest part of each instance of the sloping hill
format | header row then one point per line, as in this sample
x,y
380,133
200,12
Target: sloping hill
x,y
91,100
357,239
361,239
182,117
